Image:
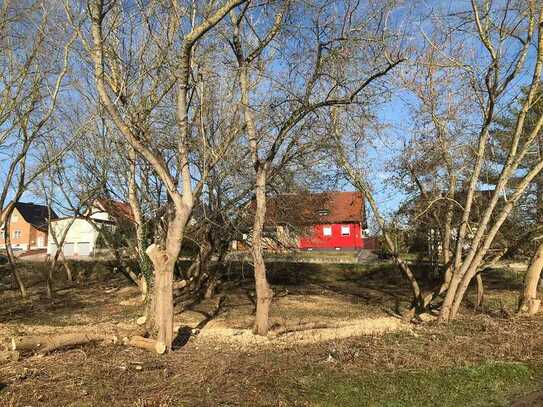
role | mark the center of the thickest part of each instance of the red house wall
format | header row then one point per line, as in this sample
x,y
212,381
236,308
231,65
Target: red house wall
x,y
317,240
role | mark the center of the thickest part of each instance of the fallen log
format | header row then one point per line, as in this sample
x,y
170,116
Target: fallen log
x,y
49,343
145,343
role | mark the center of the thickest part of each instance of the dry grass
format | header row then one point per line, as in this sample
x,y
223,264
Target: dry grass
x,y
224,364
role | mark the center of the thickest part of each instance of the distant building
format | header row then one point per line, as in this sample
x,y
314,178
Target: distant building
x,y
27,227
315,221
83,232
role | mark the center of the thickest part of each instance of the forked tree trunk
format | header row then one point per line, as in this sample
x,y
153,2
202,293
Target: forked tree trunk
x,y
475,263
164,260
264,294
529,303
59,254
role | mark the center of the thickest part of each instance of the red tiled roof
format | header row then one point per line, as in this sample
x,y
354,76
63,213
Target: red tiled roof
x,y
315,208
117,209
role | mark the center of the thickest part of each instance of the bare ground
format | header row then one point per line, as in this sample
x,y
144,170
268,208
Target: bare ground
x,y
218,361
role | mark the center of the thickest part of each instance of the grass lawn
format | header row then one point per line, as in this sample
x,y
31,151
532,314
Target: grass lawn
x,y
486,384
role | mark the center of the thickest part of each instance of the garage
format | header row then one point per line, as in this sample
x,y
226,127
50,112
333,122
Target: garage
x,y
68,249
84,248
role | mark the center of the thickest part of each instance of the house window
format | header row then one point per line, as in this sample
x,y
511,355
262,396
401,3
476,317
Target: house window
x,y
323,212
345,230
17,234
14,217
327,231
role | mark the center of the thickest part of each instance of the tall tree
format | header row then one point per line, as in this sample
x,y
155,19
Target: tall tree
x,y
278,113
180,192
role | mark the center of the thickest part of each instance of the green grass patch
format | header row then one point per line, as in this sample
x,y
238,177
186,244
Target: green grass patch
x,y
487,384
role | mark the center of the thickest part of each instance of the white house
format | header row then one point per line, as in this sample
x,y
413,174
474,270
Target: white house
x,y
83,232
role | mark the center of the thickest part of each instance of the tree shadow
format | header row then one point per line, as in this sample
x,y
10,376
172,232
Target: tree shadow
x,y
185,332
182,338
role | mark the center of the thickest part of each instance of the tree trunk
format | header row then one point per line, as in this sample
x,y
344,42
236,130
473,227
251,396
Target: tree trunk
x,y
150,321
49,276
49,286
11,260
163,294
475,261
145,279
69,274
529,303
211,287
480,291
446,307
264,294
18,280
358,180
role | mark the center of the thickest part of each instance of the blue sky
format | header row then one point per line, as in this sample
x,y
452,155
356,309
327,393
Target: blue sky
x,y
398,121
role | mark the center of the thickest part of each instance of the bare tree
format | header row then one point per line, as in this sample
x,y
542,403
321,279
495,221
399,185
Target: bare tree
x,y
163,256
496,28
278,132
508,35
32,79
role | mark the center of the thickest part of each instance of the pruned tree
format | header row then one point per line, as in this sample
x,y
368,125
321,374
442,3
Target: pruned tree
x,y
179,186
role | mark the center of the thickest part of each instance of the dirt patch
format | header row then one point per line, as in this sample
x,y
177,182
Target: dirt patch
x,y
532,399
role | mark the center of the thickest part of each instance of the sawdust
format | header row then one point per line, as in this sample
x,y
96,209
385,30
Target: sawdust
x,y
358,327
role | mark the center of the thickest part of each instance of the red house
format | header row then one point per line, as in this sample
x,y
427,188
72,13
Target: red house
x,y
320,221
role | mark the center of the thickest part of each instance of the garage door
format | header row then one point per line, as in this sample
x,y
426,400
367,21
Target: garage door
x,y
68,249
84,248
52,248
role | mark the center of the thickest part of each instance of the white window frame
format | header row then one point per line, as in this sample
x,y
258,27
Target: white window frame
x,y
17,234
345,230
327,230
